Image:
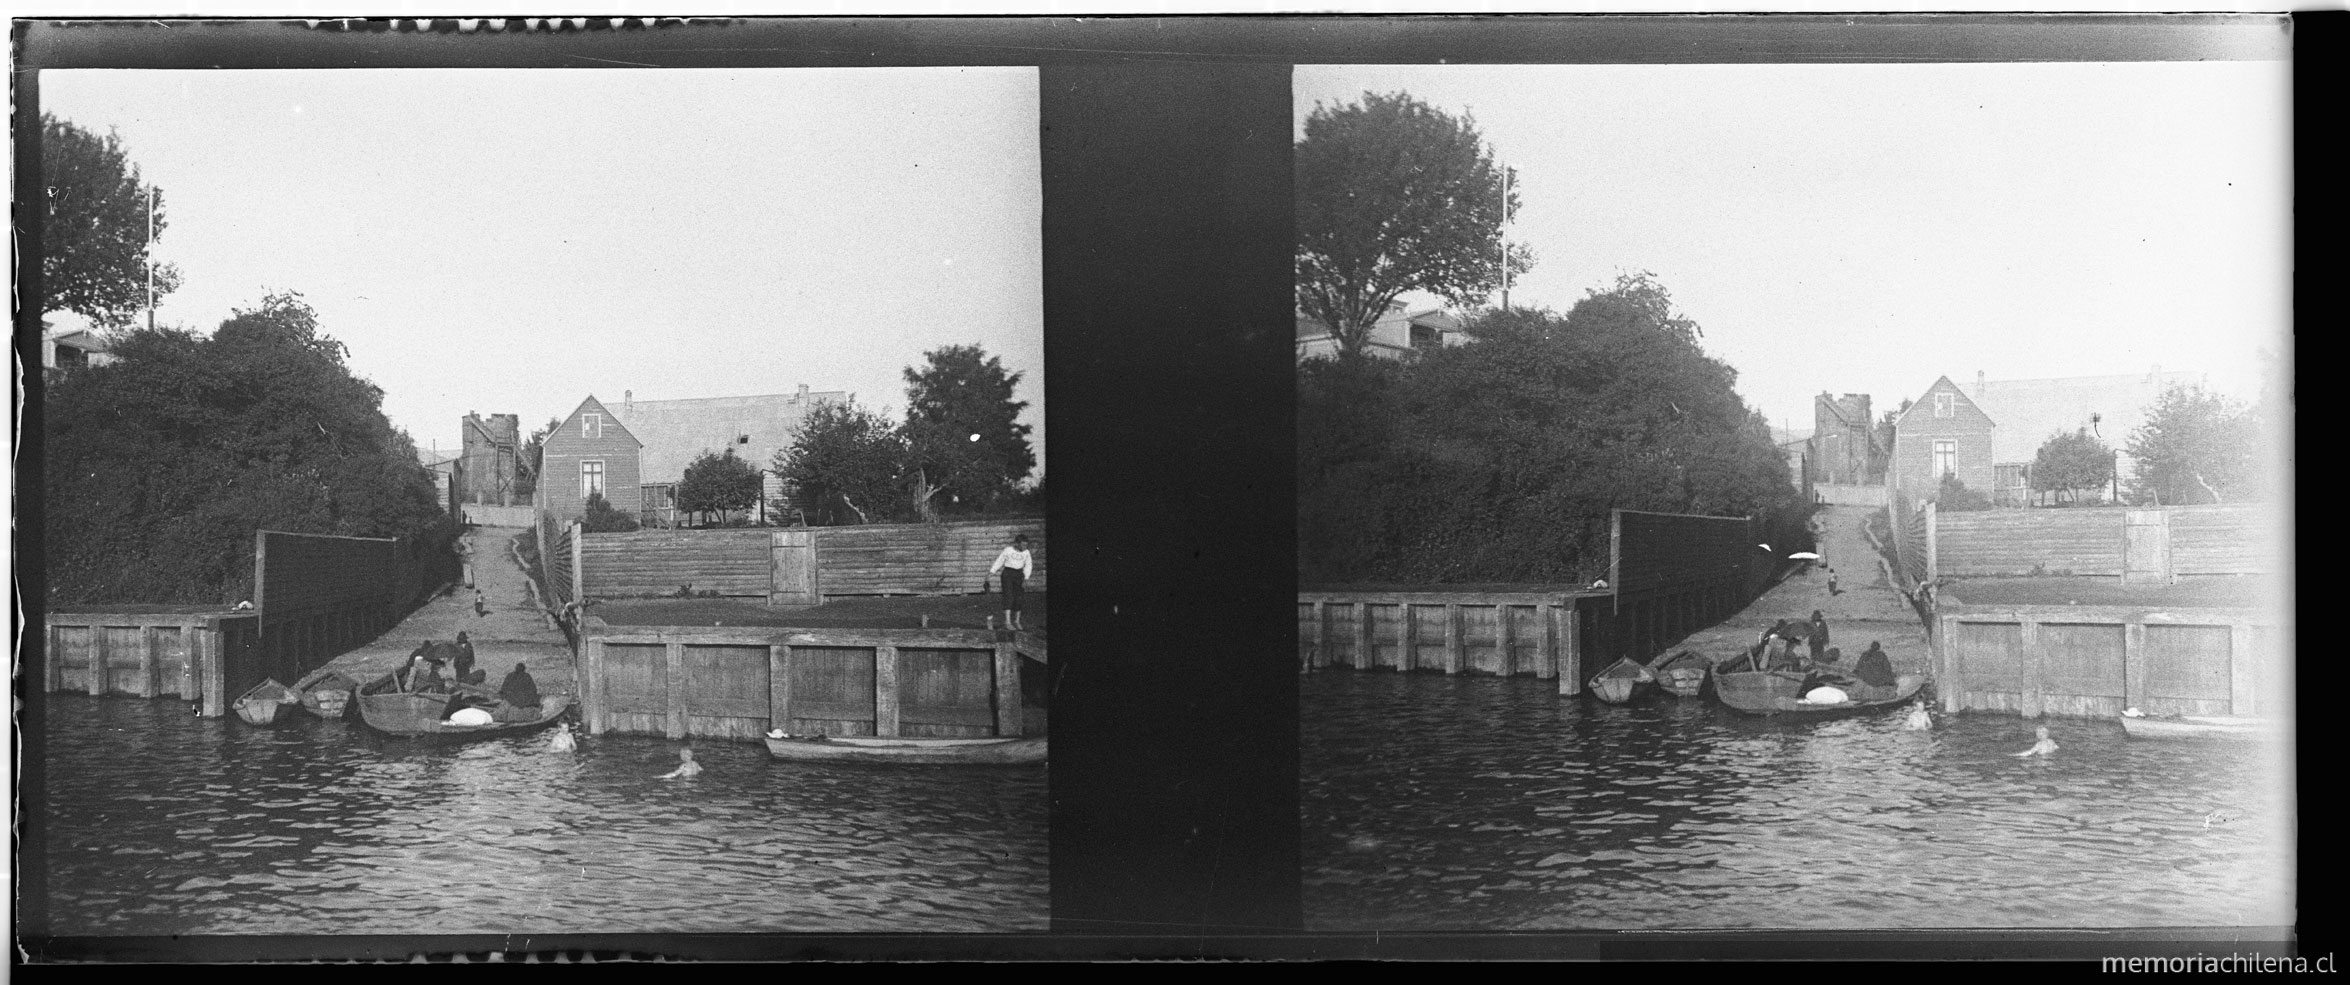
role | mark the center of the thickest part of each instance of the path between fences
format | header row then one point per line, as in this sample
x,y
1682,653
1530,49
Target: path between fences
x,y
1867,608
513,630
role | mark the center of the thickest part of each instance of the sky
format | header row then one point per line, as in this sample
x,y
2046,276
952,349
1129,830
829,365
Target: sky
x,y
1868,228
512,241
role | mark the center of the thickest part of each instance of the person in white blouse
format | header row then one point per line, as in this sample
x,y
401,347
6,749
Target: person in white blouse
x,y
1013,564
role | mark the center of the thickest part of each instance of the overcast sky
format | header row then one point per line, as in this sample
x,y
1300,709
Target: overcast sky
x,y
1867,228
511,241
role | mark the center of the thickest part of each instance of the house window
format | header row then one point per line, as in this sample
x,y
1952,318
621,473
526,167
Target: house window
x,y
591,425
1945,458
591,479
1945,404
1424,337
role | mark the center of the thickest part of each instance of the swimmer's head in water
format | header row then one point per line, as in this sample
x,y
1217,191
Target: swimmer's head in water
x,y
2041,733
687,755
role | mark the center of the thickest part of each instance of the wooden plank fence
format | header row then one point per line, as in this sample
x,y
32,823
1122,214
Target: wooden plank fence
x,y
737,683
798,565
2093,661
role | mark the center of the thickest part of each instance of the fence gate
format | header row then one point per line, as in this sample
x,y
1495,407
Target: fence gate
x,y
794,578
2146,548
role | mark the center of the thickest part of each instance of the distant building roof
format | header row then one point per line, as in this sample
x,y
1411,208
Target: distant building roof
x,y
2026,413
675,432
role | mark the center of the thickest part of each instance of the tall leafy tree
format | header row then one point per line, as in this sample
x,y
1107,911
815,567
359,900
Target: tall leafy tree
x,y
2069,464
962,428
847,463
1395,196
95,235
1501,459
162,464
2197,446
718,483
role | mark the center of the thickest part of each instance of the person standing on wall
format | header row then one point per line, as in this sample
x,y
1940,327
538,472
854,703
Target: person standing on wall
x,y
1013,564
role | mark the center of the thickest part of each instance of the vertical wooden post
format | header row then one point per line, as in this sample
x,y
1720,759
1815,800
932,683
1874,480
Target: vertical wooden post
x,y
1505,638
150,640
2035,668
1546,646
1320,653
1570,657
1933,558
591,687
1007,690
217,650
98,671
885,690
53,660
779,686
675,723
1407,634
190,636
578,570
2134,664
1453,655
1362,656
2243,679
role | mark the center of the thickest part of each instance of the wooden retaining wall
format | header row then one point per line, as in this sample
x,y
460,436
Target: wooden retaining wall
x,y
737,683
2093,661
2154,545
1501,633
879,559
152,655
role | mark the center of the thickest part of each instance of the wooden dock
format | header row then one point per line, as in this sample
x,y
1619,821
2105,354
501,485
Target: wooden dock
x,y
1540,633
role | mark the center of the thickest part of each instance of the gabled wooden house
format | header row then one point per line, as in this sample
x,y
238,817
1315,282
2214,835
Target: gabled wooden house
x,y
1943,433
593,452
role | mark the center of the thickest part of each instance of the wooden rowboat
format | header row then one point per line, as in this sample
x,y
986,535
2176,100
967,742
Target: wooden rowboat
x,y
1616,684
854,749
2192,727
263,704
1683,674
1780,692
388,710
326,693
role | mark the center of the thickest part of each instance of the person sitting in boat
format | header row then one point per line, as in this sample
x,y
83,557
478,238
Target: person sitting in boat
x,y
1874,668
420,674
687,766
1818,636
519,689
462,660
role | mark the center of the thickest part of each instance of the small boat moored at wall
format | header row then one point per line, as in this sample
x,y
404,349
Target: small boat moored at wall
x,y
1780,692
1616,684
1683,674
387,709
2195,727
326,693
858,748
265,702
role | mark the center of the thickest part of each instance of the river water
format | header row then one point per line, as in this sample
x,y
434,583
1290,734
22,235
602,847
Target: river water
x,y
163,823
1479,803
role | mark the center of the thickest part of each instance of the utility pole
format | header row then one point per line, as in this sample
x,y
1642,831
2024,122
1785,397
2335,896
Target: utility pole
x,y
1505,232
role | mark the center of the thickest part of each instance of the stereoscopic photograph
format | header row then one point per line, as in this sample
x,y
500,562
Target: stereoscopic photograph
x,y
533,502
1795,496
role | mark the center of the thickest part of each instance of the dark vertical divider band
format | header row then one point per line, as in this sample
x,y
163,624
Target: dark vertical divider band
x,y
1168,331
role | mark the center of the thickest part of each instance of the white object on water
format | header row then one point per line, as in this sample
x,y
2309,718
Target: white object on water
x,y
471,716
1825,695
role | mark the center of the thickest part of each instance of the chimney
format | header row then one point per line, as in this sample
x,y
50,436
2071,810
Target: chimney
x,y
1978,383
628,400
803,397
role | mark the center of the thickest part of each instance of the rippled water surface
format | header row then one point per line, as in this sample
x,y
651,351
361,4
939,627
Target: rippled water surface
x,y
1466,803
163,823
